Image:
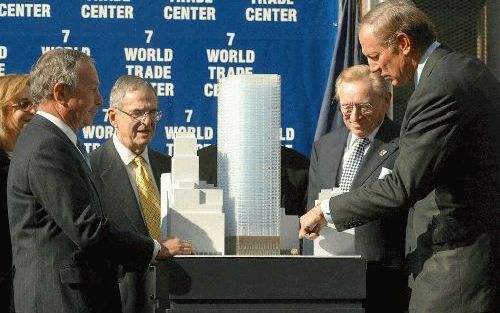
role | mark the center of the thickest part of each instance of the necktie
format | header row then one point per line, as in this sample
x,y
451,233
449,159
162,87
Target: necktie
x,y
83,151
148,198
351,168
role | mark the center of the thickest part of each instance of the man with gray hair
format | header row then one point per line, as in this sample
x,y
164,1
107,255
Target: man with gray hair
x,y
63,246
357,155
448,169
130,172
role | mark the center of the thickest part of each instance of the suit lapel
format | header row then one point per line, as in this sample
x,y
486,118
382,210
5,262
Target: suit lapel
x,y
71,147
154,166
336,152
380,149
115,174
433,59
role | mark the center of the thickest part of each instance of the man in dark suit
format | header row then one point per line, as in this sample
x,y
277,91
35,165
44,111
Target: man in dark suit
x,y
294,167
63,246
134,114
364,99
448,169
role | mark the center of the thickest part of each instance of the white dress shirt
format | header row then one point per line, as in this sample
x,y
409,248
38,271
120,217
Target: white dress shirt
x,y
127,158
423,60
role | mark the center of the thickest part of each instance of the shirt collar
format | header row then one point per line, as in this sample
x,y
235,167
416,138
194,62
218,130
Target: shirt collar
x,y
423,60
125,154
60,124
351,139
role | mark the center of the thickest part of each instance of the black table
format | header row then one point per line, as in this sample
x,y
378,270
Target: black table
x,y
254,284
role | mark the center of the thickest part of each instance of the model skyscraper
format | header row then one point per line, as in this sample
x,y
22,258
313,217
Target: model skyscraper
x,y
248,162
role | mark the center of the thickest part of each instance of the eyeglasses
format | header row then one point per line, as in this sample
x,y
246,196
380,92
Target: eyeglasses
x,y
24,104
140,116
346,109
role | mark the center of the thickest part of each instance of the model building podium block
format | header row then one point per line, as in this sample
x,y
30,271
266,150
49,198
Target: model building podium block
x,y
191,209
332,242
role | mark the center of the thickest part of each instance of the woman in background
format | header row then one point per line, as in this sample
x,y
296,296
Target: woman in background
x,y
16,110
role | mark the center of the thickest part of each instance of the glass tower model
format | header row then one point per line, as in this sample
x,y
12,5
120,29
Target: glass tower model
x,y
248,162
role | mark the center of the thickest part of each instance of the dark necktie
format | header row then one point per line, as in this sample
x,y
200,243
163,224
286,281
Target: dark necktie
x,y
351,168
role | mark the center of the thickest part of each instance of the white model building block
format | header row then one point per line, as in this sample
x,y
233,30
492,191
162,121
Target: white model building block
x,y
331,242
212,196
186,199
185,169
204,230
189,212
185,146
210,208
165,198
186,185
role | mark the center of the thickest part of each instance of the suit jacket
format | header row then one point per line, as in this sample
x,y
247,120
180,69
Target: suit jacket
x,y
294,167
63,246
6,259
380,240
121,206
448,171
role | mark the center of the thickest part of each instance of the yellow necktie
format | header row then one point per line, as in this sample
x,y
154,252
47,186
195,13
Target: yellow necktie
x,y
150,204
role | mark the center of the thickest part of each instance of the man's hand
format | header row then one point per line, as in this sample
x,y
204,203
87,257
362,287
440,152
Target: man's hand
x,y
174,246
311,223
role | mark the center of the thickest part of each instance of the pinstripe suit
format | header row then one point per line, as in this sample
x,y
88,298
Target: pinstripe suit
x,y
63,246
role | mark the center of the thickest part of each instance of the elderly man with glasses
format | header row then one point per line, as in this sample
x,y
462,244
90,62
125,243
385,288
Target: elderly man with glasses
x,y
130,173
357,155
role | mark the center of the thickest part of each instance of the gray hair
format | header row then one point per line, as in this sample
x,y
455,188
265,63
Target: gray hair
x,y
361,72
129,83
392,17
53,67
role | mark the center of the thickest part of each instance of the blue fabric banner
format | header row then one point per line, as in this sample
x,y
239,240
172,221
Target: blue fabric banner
x,y
183,47
347,53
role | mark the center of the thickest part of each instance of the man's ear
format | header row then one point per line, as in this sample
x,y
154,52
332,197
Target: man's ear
x,y
404,43
112,117
61,93
387,102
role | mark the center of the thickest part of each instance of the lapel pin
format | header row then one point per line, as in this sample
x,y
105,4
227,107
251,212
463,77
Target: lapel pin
x,y
382,152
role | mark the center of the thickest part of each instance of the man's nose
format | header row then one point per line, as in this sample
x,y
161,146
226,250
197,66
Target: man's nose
x,y
146,119
373,66
98,98
355,114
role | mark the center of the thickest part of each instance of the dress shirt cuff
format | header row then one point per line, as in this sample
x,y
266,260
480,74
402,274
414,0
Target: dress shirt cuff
x,y
155,251
325,207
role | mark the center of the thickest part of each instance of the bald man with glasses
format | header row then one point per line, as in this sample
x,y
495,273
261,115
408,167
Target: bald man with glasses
x,y
130,173
351,157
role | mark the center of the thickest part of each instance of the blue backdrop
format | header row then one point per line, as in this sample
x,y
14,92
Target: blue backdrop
x,y
183,47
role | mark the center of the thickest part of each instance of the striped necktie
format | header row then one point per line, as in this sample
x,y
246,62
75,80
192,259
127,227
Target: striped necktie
x,y
351,168
148,198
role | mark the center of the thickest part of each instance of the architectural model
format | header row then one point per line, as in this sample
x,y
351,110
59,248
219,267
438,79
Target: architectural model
x,y
191,209
248,162
331,242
